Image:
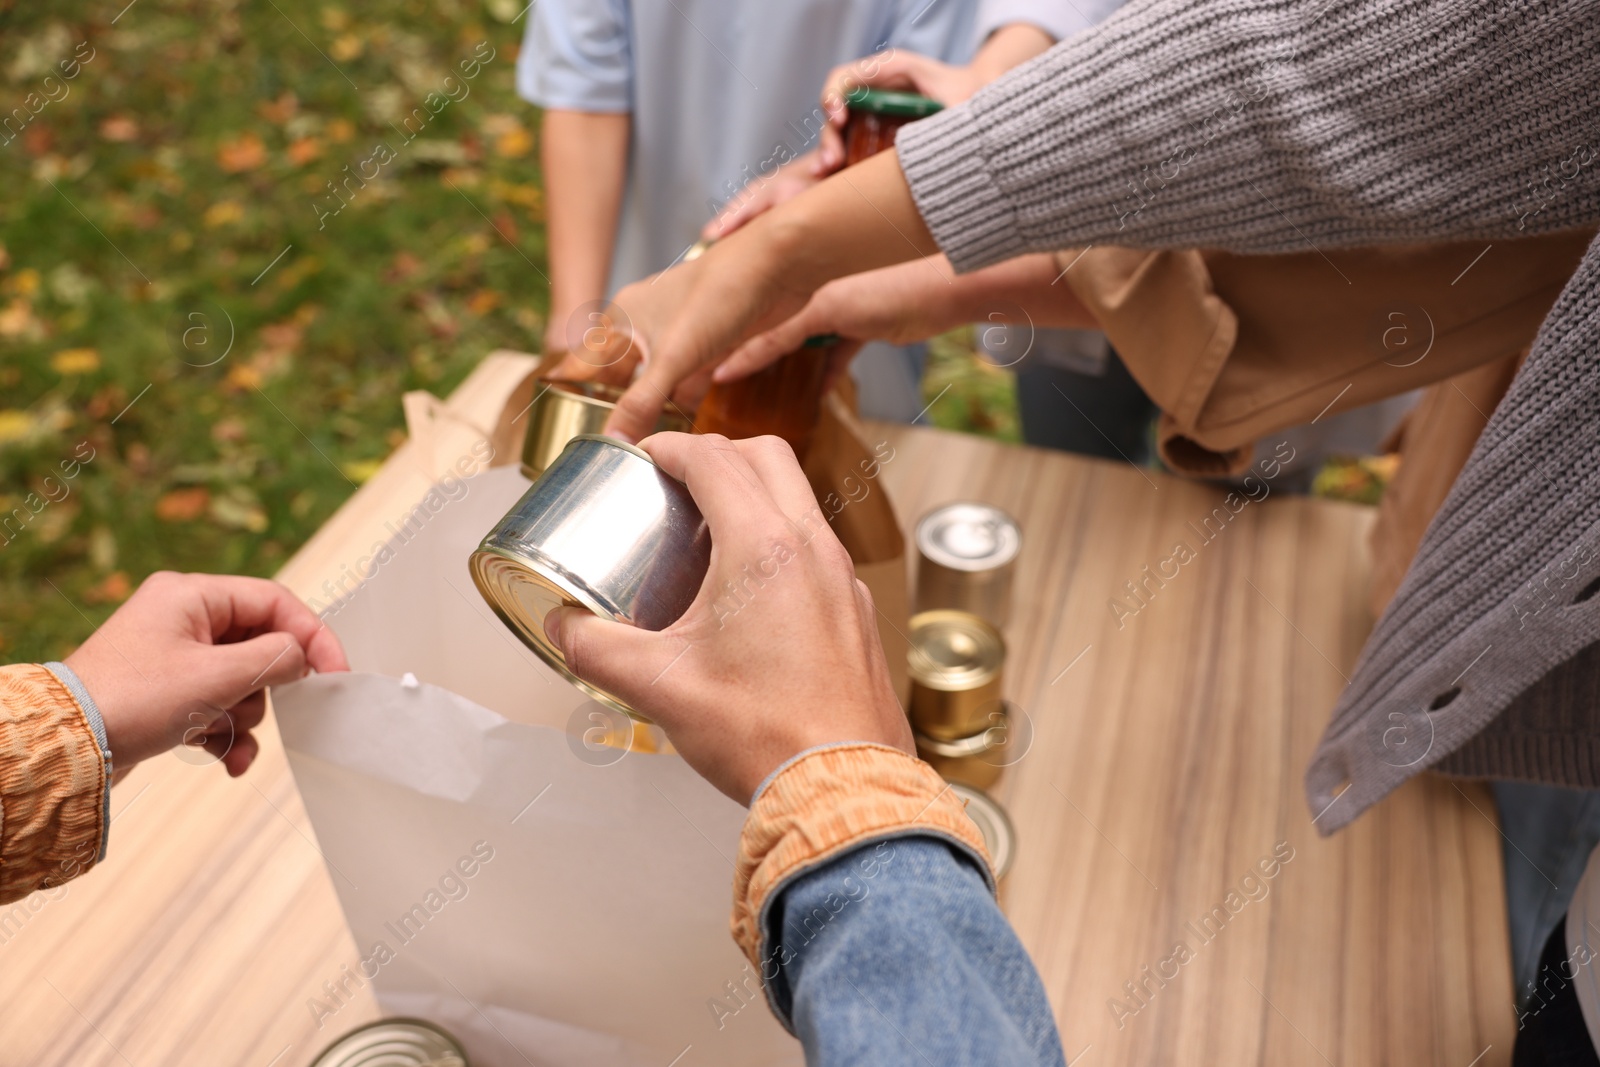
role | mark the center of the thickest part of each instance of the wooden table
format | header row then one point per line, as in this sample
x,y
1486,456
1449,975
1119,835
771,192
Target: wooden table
x,y
1165,766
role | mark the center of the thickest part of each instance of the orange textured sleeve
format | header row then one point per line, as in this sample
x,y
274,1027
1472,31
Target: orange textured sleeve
x,y
828,801
53,783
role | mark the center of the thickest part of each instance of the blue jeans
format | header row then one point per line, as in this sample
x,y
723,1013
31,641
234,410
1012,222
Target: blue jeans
x,y
896,953
1548,833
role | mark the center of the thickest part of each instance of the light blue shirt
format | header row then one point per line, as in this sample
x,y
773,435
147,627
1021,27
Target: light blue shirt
x,y
1059,18
721,91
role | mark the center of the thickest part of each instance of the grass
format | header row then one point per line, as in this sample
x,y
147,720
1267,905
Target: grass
x,y
146,209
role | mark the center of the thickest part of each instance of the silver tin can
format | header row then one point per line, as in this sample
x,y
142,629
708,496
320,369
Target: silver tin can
x,y
994,824
604,529
966,555
394,1043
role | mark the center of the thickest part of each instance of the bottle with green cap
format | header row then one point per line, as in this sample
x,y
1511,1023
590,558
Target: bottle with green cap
x,y
876,115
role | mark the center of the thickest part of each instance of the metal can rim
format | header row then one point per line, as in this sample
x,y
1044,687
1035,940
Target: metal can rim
x,y
953,563
445,1036
515,624
959,748
997,817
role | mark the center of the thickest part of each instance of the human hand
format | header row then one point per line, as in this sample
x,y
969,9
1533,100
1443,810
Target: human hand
x,y
890,304
893,69
686,319
765,193
186,659
778,653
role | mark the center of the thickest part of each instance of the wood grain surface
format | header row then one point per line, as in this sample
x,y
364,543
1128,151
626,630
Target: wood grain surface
x,y
1163,772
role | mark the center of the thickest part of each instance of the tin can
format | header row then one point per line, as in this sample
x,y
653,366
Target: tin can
x,y
955,661
966,556
975,760
604,529
876,116
564,409
994,824
394,1043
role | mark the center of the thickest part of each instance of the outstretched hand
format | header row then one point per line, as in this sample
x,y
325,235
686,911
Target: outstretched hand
x,y
779,652
186,660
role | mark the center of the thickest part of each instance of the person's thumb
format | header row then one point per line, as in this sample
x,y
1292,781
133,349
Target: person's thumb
x,y
623,660
234,671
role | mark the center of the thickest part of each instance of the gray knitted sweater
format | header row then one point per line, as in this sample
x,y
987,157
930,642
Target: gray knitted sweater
x,y
1278,125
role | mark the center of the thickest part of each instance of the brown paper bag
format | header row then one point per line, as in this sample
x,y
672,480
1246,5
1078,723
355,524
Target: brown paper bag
x,y
843,469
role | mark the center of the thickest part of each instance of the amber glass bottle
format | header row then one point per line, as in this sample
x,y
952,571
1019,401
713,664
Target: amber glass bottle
x,y
784,398
876,115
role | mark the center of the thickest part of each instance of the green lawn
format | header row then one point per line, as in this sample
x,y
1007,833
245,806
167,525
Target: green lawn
x,y
146,205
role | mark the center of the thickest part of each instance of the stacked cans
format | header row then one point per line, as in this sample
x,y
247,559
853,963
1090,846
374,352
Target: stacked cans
x,y
966,556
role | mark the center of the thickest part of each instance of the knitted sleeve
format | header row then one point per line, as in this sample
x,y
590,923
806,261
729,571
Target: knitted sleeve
x,y
1259,126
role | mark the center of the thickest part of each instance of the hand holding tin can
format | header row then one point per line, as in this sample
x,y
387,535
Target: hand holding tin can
x,y
778,650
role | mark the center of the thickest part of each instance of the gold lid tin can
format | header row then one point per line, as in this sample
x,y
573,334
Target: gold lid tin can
x,y
966,556
603,529
394,1043
562,410
994,824
973,760
956,661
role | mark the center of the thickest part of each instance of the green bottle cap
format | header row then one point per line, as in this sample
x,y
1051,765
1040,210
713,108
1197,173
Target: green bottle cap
x,y
891,102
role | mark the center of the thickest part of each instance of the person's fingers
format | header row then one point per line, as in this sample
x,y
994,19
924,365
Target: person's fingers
x,y
325,653
767,348
774,462
729,493
639,407
248,713
239,669
621,659
244,607
241,754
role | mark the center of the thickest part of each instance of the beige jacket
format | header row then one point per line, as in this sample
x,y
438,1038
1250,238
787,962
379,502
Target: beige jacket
x,y
1232,348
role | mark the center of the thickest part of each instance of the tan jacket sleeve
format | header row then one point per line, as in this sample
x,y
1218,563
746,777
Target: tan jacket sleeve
x,y
1232,348
826,802
53,783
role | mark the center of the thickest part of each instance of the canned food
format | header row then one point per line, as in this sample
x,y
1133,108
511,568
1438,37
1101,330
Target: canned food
x,y
966,555
876,116
604,529
955,662
394,1043
563,410
994,824
783,398
976,760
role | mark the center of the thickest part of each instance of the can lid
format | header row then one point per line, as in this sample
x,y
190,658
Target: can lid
x,y
523,590
968,536
891,102
954,651
394,1043
993,823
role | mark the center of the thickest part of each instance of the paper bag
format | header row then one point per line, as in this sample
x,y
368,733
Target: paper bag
x,y
549,901
843,470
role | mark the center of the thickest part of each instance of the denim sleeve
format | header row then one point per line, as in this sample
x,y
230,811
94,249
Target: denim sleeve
x,y
896,953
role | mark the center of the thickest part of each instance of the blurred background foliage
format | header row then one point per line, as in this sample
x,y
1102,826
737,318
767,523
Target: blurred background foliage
x,y
197,143
199,358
